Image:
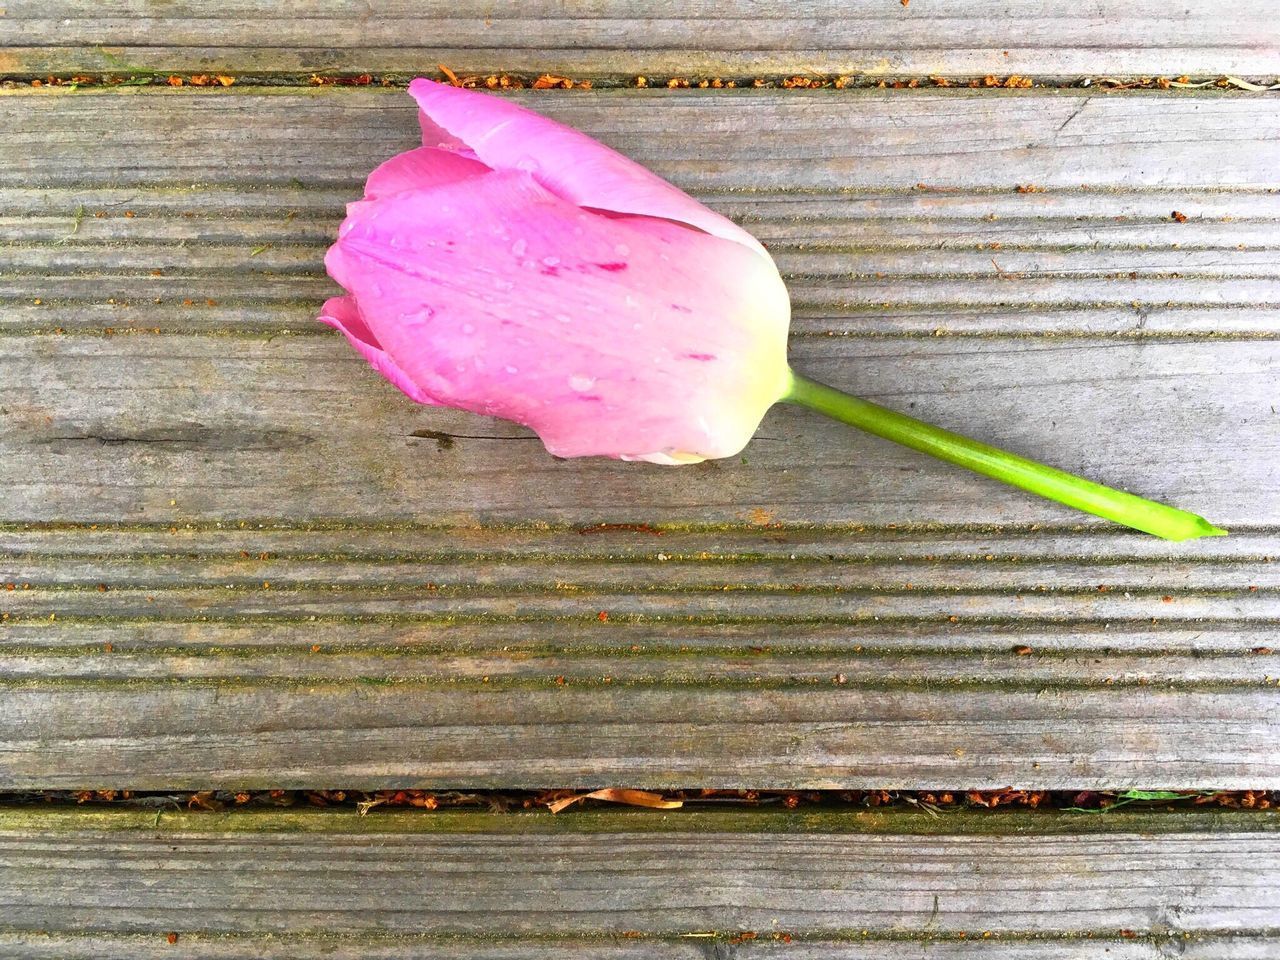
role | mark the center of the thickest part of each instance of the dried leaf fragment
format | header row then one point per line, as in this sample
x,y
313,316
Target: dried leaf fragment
x,y
549,81
633,798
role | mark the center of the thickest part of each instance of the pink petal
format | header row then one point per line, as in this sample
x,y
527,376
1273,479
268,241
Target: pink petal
x,y
342,314
568,163
421,169
618,336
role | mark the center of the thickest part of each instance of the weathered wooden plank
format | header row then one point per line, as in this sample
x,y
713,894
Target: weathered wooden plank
x,y
683,885
182,428
374,734
164,659
623,38
868,255
747,140
40,945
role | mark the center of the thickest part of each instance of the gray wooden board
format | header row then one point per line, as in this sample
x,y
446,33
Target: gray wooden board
x,y
686,884
747,140
189,427
240,558
40,945
864,248
623,38
372,732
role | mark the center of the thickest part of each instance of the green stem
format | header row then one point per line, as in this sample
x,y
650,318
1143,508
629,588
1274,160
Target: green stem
x,y
1147,515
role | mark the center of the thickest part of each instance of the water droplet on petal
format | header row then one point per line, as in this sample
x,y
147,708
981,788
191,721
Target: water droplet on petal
x,y
511,369
581,383
621,249
564,318
395,241
418,317
551,261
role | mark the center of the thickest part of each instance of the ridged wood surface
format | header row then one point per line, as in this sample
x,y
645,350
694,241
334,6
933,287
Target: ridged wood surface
x,y
1054,39
231,554
689,884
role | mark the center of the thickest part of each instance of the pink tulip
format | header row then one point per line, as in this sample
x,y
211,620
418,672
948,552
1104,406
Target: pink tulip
x,y
517,268
514,267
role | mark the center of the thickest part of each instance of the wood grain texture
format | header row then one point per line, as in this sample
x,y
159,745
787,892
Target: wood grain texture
x,y
237,557
622,38
39,945
757,141
935,262
182,428
1092,248
691,887
370,733
468,658
168,429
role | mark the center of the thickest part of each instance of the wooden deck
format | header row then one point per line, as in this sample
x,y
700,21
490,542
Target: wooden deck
x,y
239,559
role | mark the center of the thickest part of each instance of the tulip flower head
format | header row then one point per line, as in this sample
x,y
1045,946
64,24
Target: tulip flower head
x,y
514,267
517,268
